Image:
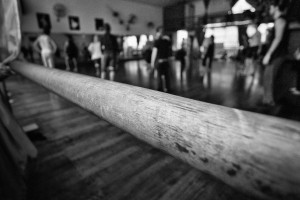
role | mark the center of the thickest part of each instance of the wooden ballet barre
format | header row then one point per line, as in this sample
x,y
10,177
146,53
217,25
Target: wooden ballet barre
x,y
254,153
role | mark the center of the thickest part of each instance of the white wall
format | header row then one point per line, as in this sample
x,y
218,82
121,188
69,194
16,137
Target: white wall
x,y
87,11
215,7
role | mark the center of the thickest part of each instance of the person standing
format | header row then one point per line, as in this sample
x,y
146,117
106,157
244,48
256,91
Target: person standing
x,y
47,47
110,48
181,57
71,54
161,53
276,53
209,53
253,51
96,54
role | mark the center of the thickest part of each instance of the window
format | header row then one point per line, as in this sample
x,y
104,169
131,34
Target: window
x,y
242,6
143,41
182,35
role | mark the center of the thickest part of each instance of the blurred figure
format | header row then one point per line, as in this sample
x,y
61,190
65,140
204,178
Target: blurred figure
x,y
296,90
161,53
47,47
254,49
30,49
147,51
85,53
96,54
181,57
276,53
27,49
110,48
209,53
71,54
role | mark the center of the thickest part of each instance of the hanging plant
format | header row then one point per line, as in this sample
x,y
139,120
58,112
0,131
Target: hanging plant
x,y
121,21
60,11
206,3
132,19
115,14
150,25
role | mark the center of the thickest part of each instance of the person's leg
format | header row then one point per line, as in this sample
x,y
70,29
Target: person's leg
x,y
114,61
182,67
105,60
97,67
296,90
67,62
298,75
44,59
74,60
167,76
50,60
210,61
204,60
269,78
109,64
159,77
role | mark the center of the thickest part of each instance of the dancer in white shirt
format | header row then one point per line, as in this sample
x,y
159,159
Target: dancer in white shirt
x,y
47,47
96,54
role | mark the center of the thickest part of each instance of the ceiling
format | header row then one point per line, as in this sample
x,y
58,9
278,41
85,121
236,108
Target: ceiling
x,y
159,3
163,3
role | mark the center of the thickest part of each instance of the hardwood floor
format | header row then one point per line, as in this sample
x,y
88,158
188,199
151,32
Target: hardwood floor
x,y
84,157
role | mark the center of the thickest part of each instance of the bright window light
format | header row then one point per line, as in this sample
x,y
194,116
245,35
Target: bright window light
x,y
132,42
242,6
143,41
151,38
263,29
228,36
251,30
182,35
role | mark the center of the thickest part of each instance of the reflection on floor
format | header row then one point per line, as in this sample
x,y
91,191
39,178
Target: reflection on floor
x,y
223,85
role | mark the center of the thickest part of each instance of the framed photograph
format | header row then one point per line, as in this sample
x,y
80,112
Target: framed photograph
x,y
99,24
74,23
43,20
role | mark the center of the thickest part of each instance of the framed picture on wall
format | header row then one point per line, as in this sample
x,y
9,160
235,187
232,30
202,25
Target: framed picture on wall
x,y
74,23
43,20
99,24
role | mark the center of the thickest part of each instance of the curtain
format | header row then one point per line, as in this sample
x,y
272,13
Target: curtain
x,y
10,31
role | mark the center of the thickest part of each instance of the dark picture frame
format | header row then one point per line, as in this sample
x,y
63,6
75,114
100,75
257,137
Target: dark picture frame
x,y
99,24
43,20
74,23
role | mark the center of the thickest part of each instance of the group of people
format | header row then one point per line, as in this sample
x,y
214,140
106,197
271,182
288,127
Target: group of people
x,y
103,52
276,53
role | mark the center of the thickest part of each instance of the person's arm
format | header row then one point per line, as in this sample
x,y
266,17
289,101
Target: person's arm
x,y
280,25
90,48
53,44
36,45
259,45
5,72
153,56
66,47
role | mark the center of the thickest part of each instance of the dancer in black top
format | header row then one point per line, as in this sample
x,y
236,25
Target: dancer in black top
x,y
71,54
109,47
275,56
209,53
161,53
181,57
